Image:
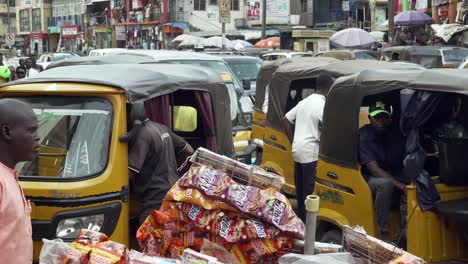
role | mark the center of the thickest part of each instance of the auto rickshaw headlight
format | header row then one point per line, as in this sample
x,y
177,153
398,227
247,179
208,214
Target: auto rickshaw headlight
x,y
70,228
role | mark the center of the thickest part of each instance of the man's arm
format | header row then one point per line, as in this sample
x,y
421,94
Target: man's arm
x,y
182,149
288,128
376,171
288,123
137,155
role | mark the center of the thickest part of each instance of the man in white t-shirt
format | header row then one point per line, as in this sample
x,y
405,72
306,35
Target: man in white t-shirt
x,y
303,125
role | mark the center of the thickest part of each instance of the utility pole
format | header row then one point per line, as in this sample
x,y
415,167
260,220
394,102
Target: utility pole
x,y
223,35
160,41
391,21
8,16
172,7
264,15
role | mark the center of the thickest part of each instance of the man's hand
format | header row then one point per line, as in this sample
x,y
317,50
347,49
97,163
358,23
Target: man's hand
x,y
374,168
400,186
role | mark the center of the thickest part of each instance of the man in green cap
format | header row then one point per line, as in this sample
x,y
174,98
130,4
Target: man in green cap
x,y
381,153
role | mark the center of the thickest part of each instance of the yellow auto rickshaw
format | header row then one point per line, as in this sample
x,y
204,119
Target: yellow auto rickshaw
x,y
241,134
264,77
436,229
291,83
80,177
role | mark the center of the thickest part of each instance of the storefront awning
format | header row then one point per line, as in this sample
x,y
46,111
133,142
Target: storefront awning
x,y
257,34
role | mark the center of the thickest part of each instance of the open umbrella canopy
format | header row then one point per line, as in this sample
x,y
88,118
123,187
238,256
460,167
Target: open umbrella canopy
x,y
216,42
413,17
352,38
191,42
239,44
183,37
378,35
269,43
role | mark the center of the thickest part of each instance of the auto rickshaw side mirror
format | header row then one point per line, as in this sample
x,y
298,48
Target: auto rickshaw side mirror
x,y
246,84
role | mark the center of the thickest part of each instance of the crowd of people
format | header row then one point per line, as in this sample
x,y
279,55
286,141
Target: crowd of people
x,y
27,67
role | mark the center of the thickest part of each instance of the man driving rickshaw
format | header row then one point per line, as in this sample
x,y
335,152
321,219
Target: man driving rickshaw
x,y
437,196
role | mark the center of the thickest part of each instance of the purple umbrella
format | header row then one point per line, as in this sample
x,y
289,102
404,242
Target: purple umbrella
x,y
413,17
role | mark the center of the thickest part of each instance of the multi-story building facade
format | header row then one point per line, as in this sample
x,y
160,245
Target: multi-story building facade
x,y
32,24
66,25
7,25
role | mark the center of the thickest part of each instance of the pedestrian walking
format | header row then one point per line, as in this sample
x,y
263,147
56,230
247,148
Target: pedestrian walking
x,y
303,126
18,142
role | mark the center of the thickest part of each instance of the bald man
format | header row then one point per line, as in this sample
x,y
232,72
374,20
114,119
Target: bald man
x,y
18,142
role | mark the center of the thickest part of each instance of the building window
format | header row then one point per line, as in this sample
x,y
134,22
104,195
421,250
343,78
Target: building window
x,y
213,2
24,21
235,5
304,5
36,20
199,5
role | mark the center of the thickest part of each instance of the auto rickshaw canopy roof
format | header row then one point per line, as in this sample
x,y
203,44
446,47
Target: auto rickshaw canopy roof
x,y
286,74
268,69
406,51
100,60
339,140
143,82
264,77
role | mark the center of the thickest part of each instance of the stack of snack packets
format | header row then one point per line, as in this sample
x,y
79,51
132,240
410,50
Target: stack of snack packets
x,y
255,223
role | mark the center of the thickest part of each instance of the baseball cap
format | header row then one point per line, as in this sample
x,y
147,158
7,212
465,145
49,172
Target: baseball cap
x,y
380,107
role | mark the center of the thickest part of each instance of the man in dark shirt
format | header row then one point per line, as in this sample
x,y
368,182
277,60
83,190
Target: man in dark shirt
x,y
152,164
381,153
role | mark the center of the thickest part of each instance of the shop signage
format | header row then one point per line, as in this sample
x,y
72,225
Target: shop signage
x,y
10,39
253,10
224,11
36,35
278,8
120,33
421,5
3,8
54,29
70,31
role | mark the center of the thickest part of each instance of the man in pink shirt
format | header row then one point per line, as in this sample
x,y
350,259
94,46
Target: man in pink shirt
x,y
18,142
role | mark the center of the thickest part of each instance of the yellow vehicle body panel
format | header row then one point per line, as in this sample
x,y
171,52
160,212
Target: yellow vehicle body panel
x,y
241,140
112,179
344,192
345,199
258,125
435,237
278,158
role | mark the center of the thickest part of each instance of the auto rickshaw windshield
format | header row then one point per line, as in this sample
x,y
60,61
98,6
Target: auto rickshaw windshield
x,y
74,137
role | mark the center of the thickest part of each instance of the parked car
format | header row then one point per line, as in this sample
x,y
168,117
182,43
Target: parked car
x,y
452,57
246,69
284,55
102,52
195,58
46,58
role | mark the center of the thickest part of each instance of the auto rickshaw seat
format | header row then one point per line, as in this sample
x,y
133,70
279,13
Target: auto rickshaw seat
x,y
455,209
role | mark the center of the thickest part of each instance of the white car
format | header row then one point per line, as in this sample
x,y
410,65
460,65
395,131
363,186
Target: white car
x,y
102,52
45,59
464,64
283,55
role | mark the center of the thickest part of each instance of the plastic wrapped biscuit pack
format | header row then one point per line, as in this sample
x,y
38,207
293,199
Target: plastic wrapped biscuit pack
x,y
230,204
